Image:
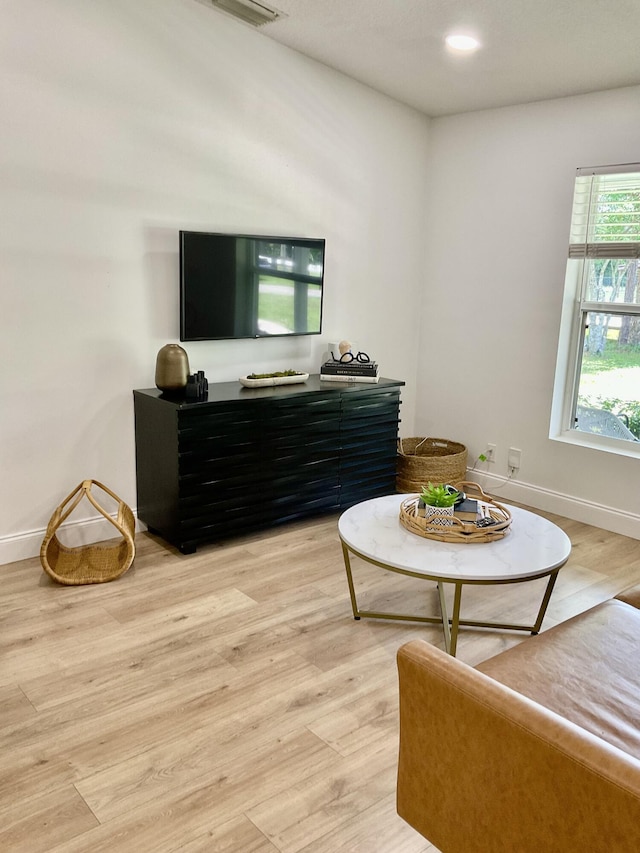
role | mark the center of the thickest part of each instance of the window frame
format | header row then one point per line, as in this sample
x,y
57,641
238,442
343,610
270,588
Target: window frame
x,y
575,319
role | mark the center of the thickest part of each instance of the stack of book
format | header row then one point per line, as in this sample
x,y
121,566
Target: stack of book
x,y
467,510
351,371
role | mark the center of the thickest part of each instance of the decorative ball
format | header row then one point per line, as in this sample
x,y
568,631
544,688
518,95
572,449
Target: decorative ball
x,y
344,346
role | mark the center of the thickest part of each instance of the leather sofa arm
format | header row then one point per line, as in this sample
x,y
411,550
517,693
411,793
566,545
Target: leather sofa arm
x,y
483,769
631,595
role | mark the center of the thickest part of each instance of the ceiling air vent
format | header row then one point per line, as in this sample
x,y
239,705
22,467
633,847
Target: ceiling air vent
x,y
252,13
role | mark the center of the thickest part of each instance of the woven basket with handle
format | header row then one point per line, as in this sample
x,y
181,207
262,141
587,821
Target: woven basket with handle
x,y
88,563
429,460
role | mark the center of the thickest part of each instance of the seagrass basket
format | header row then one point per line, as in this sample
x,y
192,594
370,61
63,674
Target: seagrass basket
x,y
85,564
429,460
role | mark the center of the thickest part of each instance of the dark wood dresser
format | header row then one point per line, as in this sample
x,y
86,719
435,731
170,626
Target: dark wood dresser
x,y
249,458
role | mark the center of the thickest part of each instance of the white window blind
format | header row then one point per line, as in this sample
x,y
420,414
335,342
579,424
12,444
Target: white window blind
x,y
606,213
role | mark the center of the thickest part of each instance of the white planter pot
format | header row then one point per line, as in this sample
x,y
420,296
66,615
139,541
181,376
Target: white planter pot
x,y
439,516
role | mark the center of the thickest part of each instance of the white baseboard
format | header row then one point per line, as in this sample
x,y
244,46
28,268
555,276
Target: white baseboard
x,y
24,546
598,515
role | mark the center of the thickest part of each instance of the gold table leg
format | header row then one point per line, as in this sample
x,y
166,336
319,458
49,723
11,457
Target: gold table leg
x,y
545,602
374,614
450,624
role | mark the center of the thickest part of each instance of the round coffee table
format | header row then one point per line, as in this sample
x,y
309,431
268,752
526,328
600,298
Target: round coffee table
x,y
533,548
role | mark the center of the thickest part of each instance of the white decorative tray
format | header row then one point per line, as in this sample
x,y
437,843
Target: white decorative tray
x,y
273,380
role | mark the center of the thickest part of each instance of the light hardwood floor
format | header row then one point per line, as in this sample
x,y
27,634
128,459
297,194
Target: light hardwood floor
x,y
227,701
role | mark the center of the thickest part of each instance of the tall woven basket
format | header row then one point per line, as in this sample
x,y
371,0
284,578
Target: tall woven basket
x,y
429,460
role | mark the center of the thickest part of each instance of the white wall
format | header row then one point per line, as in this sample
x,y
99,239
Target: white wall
x,y
500,195
123,122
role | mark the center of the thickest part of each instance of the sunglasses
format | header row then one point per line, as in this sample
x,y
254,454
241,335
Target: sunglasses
x,y
347,357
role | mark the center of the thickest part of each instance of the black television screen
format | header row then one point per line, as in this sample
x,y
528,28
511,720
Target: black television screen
x,y
240,286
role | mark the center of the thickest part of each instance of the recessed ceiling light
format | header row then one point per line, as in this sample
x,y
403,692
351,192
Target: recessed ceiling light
x,y
459,42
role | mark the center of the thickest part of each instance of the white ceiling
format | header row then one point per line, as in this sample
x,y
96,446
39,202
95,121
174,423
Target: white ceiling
x,y
531,49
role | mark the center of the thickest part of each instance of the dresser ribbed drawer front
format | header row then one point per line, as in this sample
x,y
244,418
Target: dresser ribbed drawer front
x,y
353,469
372,435
314,435
208,511
317,480
218,419
213,502
223,434
361,420
297,460
283,427
378,446
370,400
212,454
289,506
316,407
352,493
220,481
224,516
234,434
364,424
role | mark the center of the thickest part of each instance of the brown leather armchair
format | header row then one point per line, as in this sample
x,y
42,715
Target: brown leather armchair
x,y
536,750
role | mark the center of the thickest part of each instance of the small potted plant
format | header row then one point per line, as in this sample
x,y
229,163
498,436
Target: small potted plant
x,y
439,501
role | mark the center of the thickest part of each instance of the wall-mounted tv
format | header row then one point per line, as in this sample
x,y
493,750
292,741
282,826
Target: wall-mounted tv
x,y
240,286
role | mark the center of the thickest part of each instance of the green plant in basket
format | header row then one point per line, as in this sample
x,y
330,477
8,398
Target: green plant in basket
x,y
439,495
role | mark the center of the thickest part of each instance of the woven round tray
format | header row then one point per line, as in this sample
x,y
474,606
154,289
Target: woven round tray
x,y
464,532
429,460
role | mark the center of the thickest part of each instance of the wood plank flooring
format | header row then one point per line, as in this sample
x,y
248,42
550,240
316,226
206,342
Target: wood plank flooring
x,y
227,700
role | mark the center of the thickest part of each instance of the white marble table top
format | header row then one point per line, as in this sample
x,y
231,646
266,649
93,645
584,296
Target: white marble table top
x,y
532,547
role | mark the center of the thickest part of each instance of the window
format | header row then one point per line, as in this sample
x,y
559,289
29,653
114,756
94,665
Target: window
x,y
598,377
289,280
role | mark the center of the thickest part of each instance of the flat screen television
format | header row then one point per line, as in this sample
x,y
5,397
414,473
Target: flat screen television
x,y
239,286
